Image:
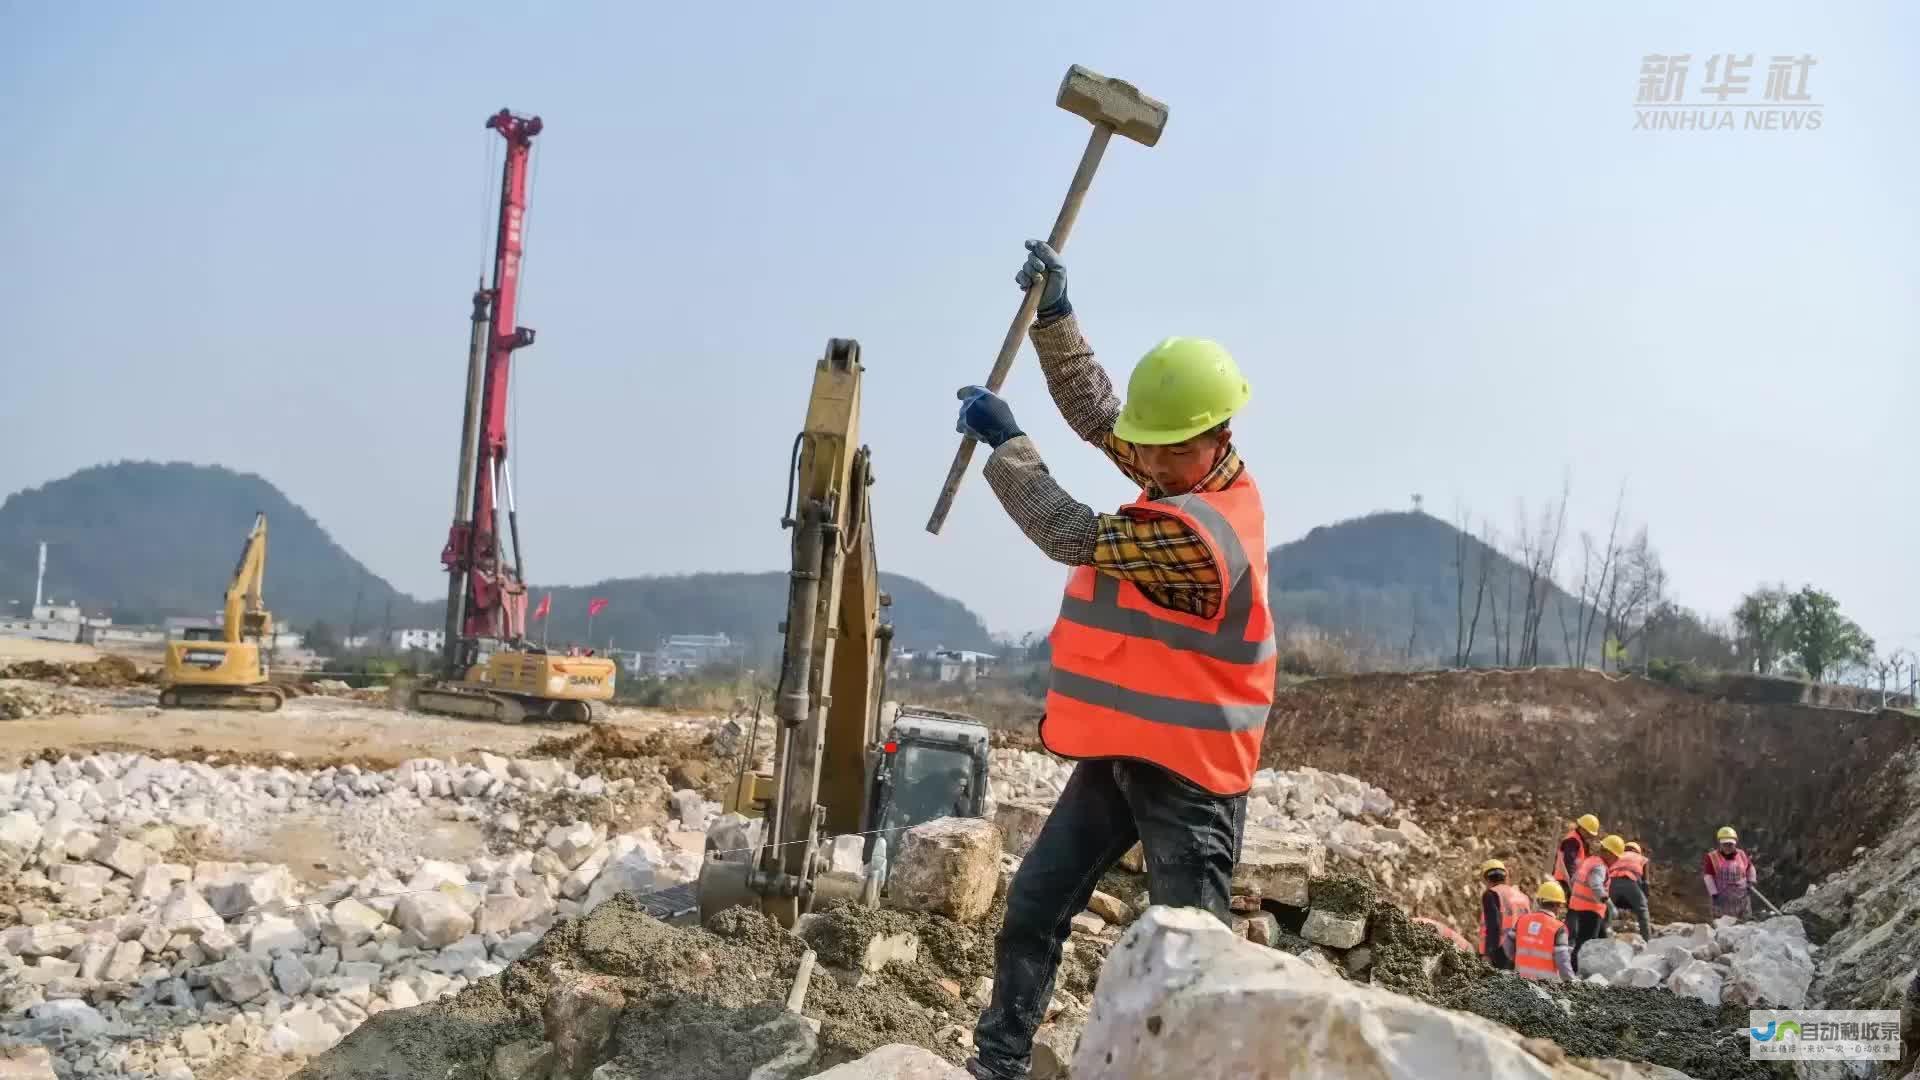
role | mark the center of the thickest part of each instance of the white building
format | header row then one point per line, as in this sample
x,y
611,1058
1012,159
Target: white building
x,y
430,640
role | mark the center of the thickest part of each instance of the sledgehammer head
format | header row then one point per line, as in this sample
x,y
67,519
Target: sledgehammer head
x,y
1112,102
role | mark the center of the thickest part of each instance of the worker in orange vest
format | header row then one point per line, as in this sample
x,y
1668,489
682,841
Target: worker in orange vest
x,y
1587,901
1500,905
1627,886
1729,874
1538,940
1163,656
1576,845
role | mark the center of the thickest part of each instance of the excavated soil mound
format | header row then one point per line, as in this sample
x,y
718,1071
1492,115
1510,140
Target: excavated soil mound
x,y
106,673
697,761
695,997
1805,785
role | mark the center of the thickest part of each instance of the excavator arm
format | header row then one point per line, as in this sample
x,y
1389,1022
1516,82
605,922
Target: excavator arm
x,y
827,703
246,616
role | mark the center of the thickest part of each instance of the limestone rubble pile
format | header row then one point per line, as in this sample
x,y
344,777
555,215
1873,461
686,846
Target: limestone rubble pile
x,y
131,955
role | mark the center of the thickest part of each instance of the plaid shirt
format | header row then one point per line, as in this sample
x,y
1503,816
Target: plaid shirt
x,y
1159,554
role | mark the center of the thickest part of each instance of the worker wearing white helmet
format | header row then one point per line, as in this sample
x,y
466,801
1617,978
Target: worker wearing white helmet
x,y
1729,875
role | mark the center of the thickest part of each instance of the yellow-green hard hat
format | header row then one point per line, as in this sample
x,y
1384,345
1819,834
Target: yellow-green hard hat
x,y
1182,387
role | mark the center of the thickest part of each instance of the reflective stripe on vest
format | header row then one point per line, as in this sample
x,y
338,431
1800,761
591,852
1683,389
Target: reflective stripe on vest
x,y
1131,679
1631,865
1533,939
1513,904
1584,898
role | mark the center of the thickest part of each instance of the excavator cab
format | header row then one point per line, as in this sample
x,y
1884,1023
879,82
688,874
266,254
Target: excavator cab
x,y
933,765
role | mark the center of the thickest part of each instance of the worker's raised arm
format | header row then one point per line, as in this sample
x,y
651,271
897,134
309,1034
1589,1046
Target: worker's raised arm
x,y
1080,387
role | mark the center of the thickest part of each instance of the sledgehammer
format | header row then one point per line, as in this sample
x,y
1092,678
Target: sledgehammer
x,y
1111,106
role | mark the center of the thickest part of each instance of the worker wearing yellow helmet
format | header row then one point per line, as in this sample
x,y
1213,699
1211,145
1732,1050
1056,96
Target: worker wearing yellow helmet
x,y
1538,940
1500,905
1588,908
1581,836
1163,653
1729,875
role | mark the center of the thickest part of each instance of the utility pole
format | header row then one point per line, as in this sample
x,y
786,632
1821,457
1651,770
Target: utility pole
x,y
40,578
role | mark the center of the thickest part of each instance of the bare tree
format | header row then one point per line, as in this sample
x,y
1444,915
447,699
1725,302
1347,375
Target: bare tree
x,y
1486,554
1598,581
1636,589
1539,551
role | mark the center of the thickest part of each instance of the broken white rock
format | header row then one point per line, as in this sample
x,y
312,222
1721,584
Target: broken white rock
x,y
1333,931
1181,996
948,866
435,918
125,857
185,911
352,923
630,873
1699,980
1605,957
239,980
1277,865
572,843
896,1061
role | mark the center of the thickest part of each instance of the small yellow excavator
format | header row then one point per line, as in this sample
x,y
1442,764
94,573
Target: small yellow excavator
x,y
227,668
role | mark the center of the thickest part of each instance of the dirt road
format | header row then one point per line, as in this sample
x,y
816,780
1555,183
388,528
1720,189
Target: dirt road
x,y
311,729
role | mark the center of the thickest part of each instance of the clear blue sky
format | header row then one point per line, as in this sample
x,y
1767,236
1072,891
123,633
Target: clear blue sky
x,y
246,234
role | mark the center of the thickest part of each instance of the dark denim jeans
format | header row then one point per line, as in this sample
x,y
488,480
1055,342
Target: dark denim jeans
x,y
1191,838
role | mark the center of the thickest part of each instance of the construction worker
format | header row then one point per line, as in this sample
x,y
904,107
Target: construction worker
x,y
1627,886
1538,940
1500,905
1576,845
1729,874
1587,902
1163,654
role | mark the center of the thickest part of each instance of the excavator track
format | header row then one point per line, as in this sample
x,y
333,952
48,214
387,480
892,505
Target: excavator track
x,y
264,698
470,703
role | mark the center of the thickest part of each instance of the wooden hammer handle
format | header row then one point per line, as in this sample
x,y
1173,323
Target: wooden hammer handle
x,y
1010,345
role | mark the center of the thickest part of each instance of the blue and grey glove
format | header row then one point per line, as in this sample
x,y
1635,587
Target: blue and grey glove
x,y
985,417
1043,264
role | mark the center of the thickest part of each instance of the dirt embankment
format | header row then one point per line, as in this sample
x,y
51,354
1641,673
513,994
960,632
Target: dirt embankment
x,y
1514,756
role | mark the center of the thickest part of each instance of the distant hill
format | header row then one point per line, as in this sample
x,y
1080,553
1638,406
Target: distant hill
x,y
747,608
146,540
1388,576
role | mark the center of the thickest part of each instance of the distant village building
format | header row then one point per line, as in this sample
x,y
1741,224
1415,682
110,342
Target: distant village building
x,y
430,640
680,655
942,665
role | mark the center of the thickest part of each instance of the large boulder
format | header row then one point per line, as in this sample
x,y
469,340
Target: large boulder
x,y
1019,822
1772,968
435,918
1699,980
1182,996
948,866
1605,957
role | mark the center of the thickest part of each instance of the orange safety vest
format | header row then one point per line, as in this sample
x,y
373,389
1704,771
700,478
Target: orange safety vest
x,y
1559,863
1533,939
1513,904
1631,865
1132,679
1583,898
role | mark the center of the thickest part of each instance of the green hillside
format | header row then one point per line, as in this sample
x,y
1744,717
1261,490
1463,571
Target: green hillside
x,y
146,540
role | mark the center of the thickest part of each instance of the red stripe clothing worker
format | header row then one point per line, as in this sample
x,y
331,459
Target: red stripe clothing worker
x,y
1163,653
1729,875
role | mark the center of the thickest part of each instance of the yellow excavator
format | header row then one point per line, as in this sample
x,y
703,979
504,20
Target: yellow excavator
x,y
847,781
226,668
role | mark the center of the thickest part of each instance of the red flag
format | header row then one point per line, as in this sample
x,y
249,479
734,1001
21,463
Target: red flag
x,y
596,605
546,604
